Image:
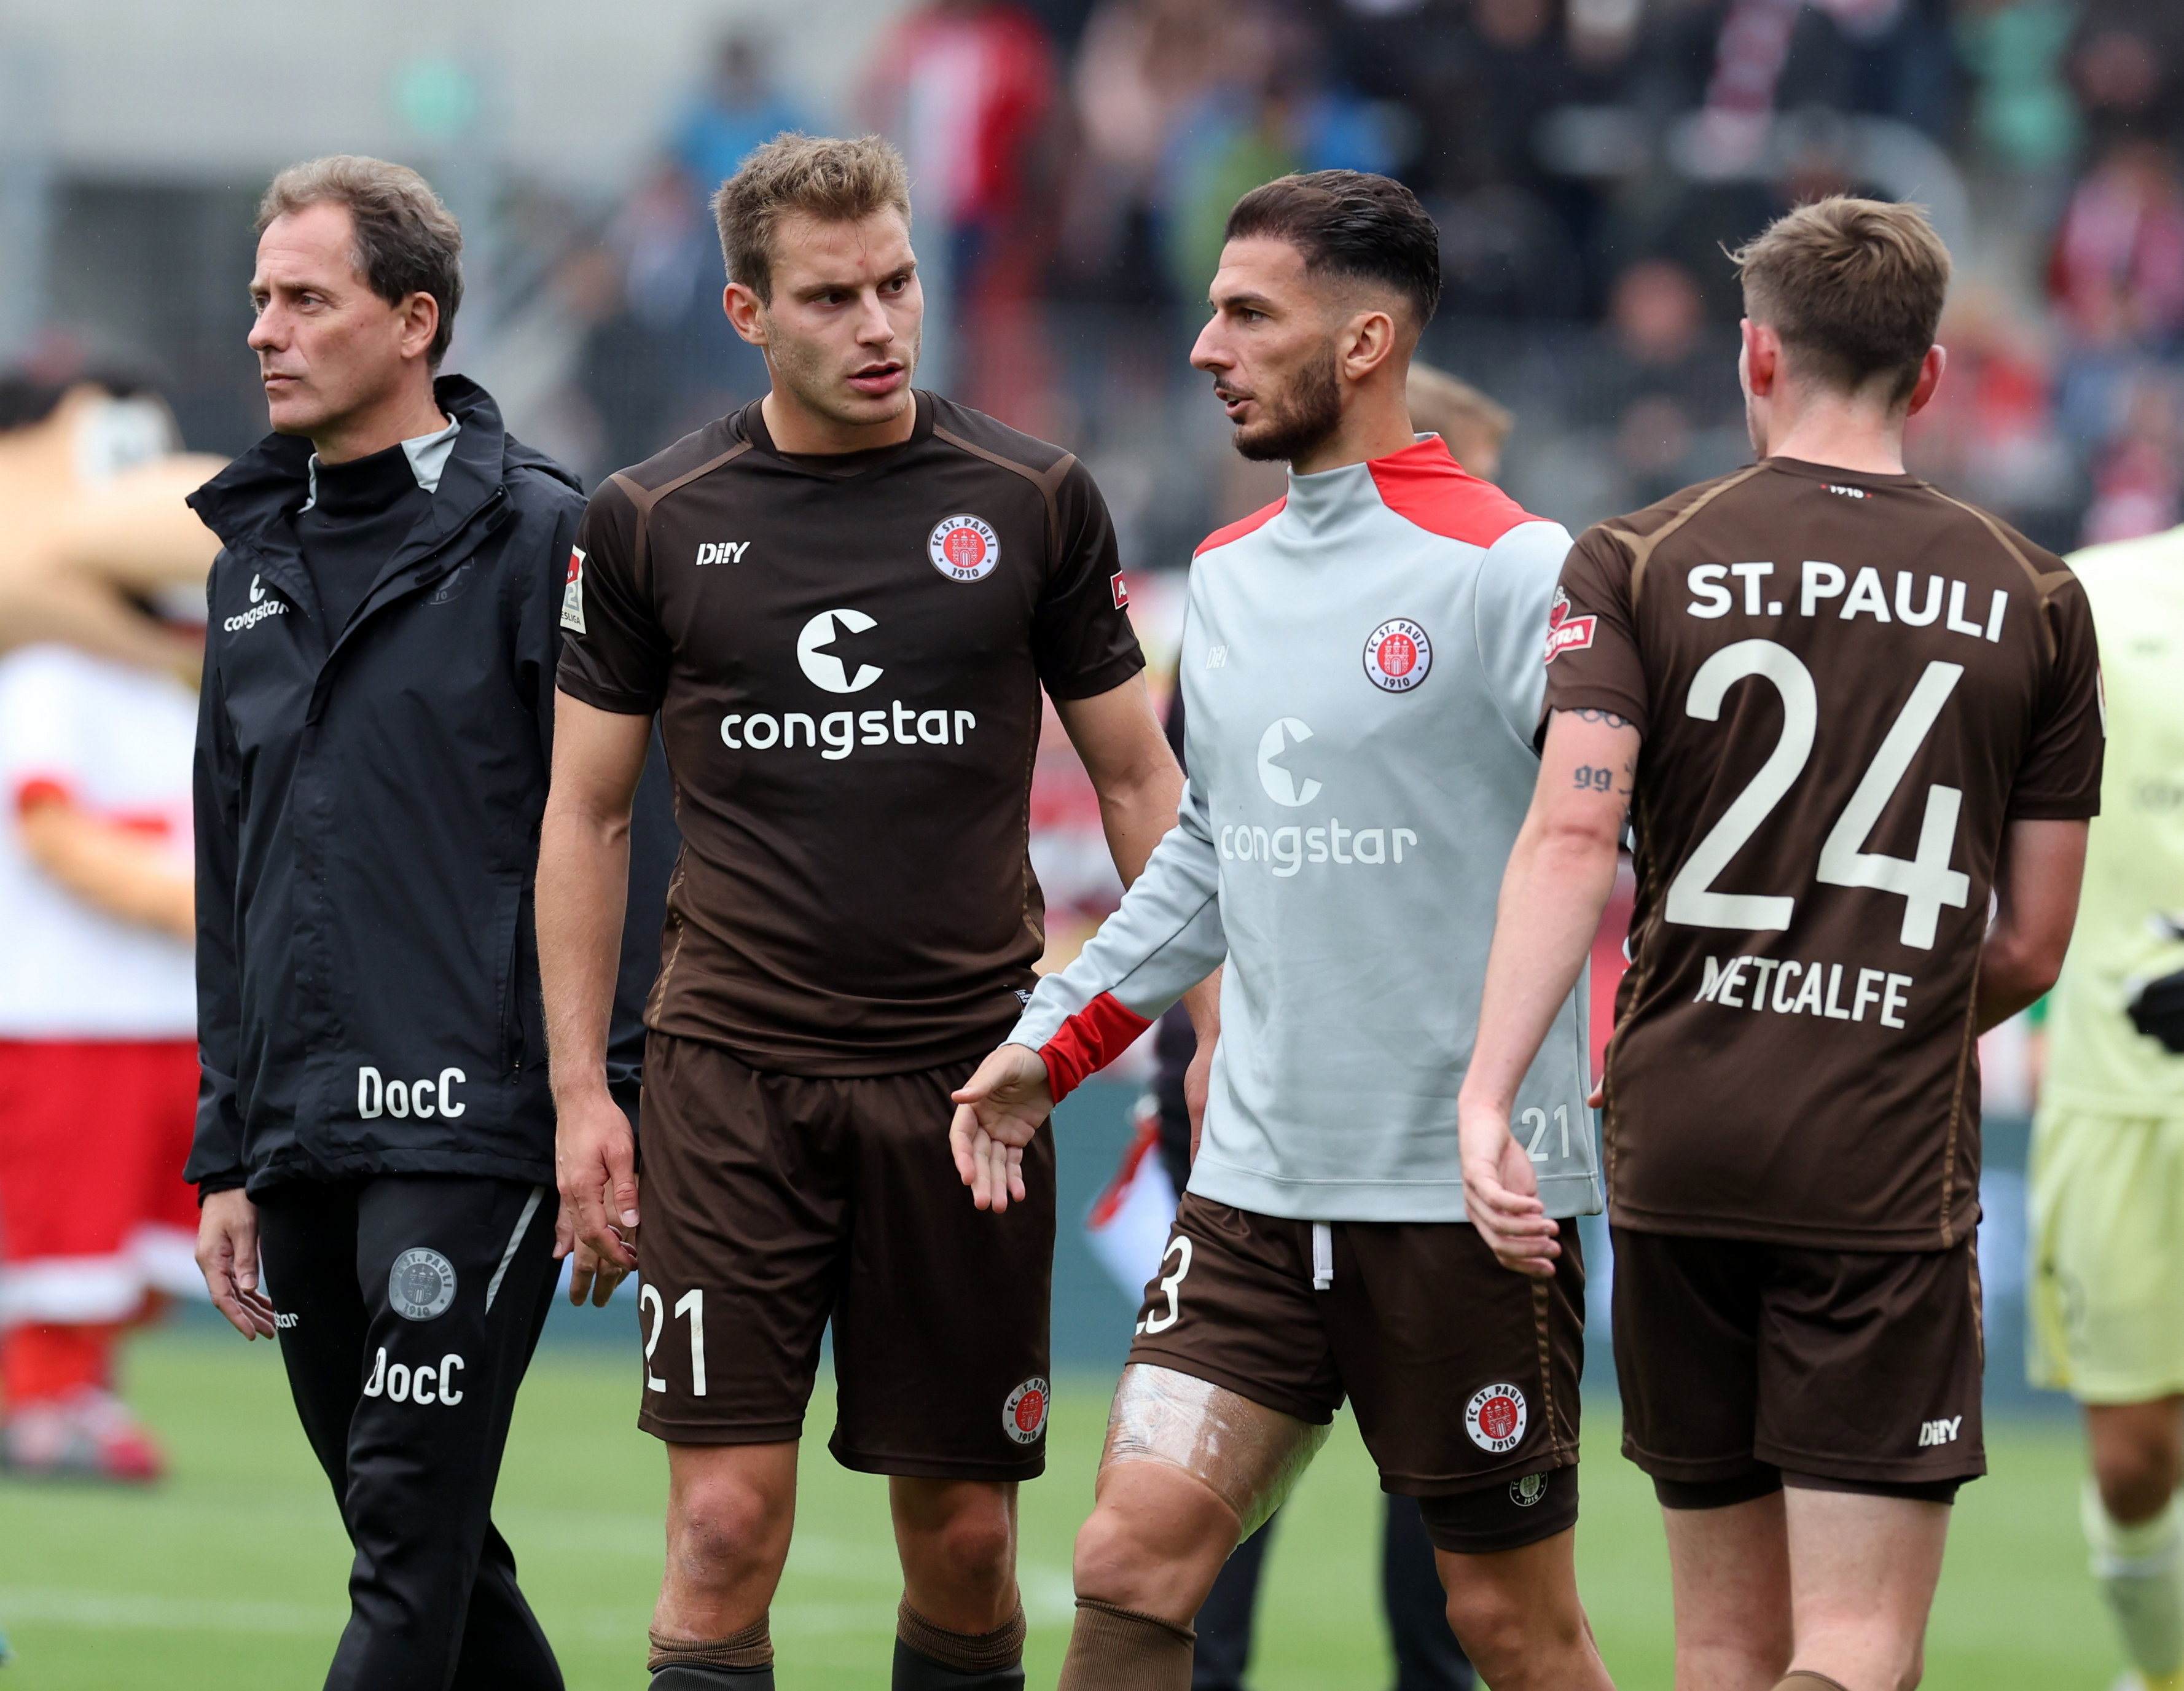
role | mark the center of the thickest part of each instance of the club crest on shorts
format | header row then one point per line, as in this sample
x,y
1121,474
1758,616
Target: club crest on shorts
x,y
1398,656
964,547
1024,1417
1495,1417
421,1284
1527,1491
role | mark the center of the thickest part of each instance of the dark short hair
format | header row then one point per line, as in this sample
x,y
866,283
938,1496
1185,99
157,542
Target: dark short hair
x,y
1854,287
407,241
825,177
1351,224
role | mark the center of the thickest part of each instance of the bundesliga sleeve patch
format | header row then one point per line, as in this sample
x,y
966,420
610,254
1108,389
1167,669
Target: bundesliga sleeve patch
x,y
572,593
1398,656
964,547
1565,632
1122,589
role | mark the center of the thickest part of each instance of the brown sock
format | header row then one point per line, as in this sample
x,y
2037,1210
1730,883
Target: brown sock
x,y
964,1652
738,1652
1804,1679
1120,1650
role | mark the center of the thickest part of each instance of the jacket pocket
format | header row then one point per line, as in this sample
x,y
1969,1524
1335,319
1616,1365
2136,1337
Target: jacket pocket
x,y
515,905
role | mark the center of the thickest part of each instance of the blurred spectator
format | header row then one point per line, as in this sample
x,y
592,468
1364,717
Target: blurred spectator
x,y
967,88
2117,275
2128,66
1145,70
1989,432
2021,107
740,108
1663,389
2138,476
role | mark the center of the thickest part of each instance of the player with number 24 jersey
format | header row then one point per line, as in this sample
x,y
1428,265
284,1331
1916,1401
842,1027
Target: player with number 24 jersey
x,y
1847,684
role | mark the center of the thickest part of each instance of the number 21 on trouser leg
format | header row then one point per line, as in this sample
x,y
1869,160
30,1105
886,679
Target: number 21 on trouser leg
x,y
1924,882
691,1304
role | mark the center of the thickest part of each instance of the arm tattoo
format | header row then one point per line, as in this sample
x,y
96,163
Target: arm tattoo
x,y
1608,716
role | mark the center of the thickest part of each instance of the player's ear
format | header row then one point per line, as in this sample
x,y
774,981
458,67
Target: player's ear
x,y
745,312
1931,370
1368,340
1759,362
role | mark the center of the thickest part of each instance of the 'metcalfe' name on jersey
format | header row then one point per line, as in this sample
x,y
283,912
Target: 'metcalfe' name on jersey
x,y
1845,595
1798,989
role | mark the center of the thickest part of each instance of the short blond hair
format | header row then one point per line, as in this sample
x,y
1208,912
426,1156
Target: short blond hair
x,y
407,240
1854,287
1440,404
824,177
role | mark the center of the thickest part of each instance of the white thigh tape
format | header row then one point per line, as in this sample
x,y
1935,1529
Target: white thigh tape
x,y
1247,1455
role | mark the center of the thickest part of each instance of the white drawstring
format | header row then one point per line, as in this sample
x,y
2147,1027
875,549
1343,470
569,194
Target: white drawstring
x,y
1323,1256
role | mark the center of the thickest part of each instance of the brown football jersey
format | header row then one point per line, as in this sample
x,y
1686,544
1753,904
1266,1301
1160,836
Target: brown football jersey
x,y
846,654
1847,684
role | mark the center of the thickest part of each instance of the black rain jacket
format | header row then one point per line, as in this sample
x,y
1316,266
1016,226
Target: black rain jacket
x,y
368,801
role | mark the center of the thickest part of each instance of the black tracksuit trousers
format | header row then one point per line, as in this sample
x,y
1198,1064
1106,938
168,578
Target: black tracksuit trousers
x,y
410,1305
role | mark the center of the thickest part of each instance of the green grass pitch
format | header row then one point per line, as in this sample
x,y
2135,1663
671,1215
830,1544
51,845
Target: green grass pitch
x,y
229,1577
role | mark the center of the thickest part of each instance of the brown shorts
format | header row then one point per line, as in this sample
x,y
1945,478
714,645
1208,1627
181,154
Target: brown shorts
x,y
773,1203
1463,1375
1859,1368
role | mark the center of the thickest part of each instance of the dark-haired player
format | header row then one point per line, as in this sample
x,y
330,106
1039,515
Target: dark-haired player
x,y
842,603
1844,712
1361,667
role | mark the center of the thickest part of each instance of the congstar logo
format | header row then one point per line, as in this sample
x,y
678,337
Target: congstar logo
x,y
1288,849
823,670
835,734
260,608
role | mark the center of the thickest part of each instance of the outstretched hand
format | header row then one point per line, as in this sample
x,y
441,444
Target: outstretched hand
x,y
1502,1193
997,1110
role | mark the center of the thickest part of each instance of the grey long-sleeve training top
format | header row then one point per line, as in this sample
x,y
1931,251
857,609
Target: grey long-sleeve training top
x,y
1362,666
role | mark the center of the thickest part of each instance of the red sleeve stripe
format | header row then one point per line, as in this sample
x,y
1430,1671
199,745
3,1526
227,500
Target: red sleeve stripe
x,y
1088,1042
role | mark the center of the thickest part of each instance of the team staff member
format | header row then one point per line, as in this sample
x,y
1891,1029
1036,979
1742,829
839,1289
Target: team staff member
x,y
2107,1143
1850,741
374,739
841,602
1364,652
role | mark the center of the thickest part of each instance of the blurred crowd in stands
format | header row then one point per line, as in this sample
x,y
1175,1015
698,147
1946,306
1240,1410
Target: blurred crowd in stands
x,y
1588,161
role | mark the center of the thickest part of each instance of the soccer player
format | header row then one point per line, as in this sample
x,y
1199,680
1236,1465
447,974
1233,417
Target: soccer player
x,y
373,745
841,602
2107,1143
1360,665
1843,711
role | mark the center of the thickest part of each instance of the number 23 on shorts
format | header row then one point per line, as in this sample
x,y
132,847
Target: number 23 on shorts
x,y
1171,1287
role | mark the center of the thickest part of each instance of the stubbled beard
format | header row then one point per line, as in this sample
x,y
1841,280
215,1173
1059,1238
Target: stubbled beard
x,y
1298,419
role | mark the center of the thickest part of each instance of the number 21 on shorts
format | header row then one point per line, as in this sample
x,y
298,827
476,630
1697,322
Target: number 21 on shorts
x,y
1171,1286
690,1305
1924,882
